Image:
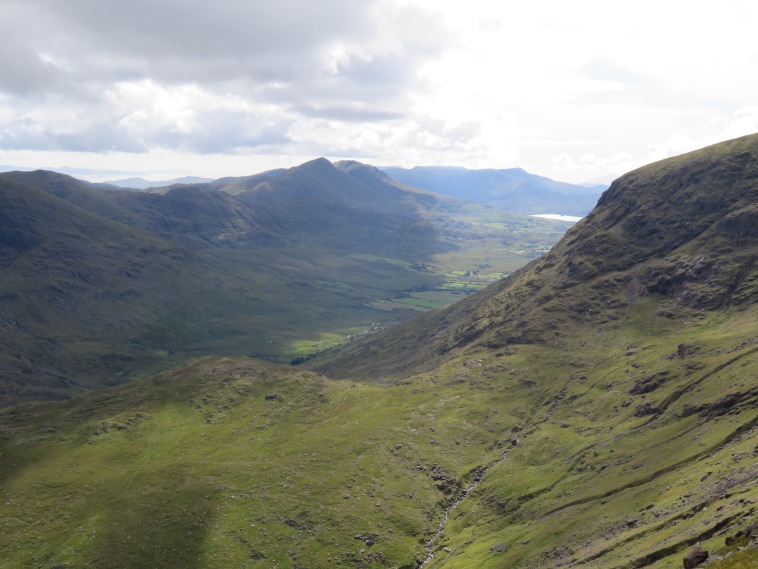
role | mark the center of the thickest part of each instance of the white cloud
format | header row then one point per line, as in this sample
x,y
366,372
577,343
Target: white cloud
x,y
742,122
589,166
569,90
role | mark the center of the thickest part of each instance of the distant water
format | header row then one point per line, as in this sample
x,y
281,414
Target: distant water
x,y
557,216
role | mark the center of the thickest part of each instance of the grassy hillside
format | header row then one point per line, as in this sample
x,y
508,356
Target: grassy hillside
x,y
74,284
596,409
622,449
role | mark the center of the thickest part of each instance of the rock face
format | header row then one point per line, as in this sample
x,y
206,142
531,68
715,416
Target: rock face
x,y
649,383
695,557
444,482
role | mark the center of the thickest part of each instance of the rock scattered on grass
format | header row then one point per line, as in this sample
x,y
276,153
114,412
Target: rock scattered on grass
x,y
498,548
695,557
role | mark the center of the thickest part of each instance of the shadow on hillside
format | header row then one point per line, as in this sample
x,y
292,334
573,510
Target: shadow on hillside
x,y
146,526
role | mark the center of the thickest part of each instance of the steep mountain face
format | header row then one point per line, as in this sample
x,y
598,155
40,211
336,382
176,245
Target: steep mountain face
x,y
512,189
64,269
597,409
635,336
682,230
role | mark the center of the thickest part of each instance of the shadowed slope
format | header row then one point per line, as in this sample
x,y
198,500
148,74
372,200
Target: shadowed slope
x,y
63,268
185,214
294,261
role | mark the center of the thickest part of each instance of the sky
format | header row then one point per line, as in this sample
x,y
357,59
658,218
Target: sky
x,y
575,91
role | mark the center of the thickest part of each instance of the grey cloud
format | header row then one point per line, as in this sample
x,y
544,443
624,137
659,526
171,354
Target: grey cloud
x,y
385,73
193,41
188,40
23,71
215,132
337,59
26,134
362,90
220,132
347,113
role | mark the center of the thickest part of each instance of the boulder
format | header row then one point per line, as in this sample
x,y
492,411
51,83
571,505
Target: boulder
x,y
498,548
695,557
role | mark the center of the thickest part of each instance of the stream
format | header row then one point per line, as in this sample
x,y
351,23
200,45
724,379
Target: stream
x,y
479,474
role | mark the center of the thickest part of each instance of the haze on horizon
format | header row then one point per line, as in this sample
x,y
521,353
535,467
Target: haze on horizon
x,y
573,91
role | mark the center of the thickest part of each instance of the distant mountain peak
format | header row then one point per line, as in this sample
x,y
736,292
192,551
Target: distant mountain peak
x,y
142,183
512,189
318,164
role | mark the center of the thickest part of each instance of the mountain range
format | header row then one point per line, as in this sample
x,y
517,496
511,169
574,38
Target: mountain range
x,y
512,189
101,286
596,408
142,184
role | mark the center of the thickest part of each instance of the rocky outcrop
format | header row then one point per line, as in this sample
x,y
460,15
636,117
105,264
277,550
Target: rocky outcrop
x,y
743,536
649,383
498,548
695,557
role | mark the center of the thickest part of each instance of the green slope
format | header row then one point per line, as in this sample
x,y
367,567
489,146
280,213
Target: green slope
x,y
235,462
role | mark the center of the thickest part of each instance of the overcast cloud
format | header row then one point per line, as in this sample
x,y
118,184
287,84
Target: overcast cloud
x,y
573,90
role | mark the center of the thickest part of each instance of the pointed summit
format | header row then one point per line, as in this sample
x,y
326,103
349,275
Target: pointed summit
x,y
318,165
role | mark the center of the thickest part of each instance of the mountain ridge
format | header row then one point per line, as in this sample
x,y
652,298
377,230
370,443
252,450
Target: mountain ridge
x,y
512,189
138,183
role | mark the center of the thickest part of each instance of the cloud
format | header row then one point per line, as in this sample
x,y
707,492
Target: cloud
x,y
603,69
740,123
589,165
562,89
188,40
208,77
27,134
347,112
25,72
